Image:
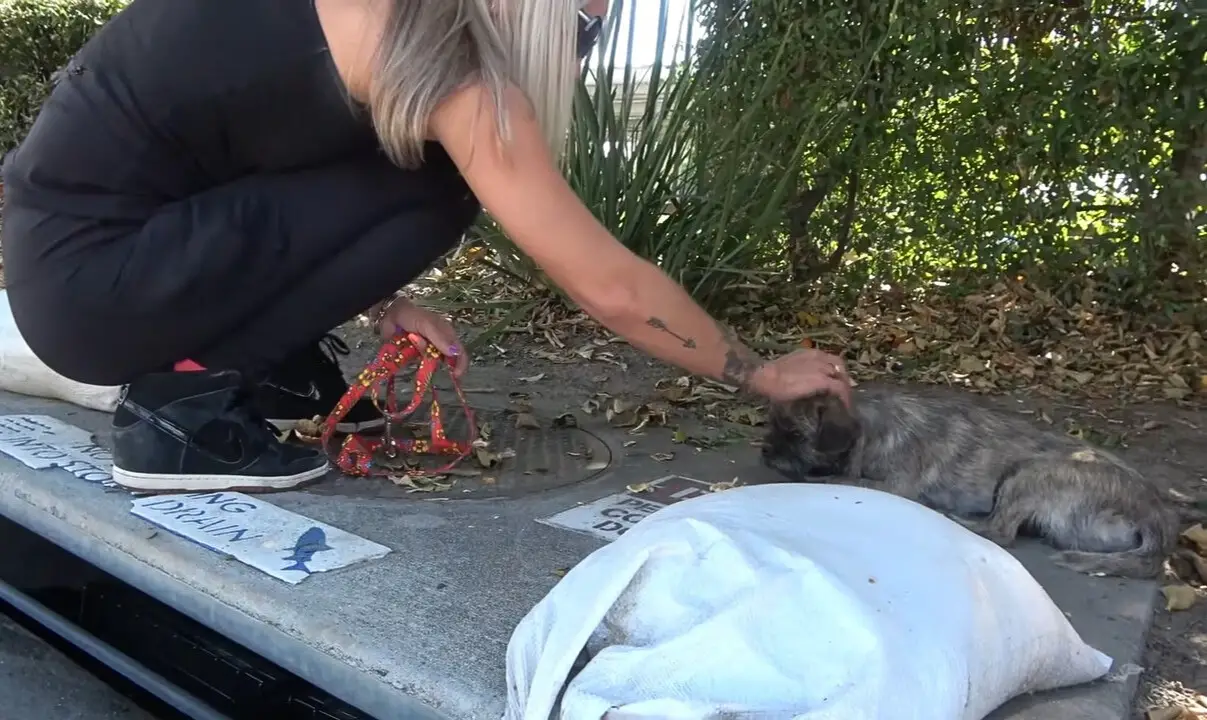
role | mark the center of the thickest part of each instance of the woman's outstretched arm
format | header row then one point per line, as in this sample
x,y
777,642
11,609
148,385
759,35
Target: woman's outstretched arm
x,y
521,187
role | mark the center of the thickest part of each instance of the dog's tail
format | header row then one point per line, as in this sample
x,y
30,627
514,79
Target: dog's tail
x,y
1158,539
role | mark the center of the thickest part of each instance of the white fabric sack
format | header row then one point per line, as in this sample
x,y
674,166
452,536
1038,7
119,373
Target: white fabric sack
x,y
820,602
22,372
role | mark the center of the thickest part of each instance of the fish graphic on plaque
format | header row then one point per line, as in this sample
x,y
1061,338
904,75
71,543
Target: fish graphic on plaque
x,y
309,543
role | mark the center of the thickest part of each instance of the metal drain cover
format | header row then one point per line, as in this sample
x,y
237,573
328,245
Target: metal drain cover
x,y
545,458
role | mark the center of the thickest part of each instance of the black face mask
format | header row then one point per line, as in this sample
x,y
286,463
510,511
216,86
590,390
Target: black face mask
x,y
589,28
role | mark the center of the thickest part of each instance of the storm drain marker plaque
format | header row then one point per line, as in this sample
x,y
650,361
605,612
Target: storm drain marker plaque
x,y
610,517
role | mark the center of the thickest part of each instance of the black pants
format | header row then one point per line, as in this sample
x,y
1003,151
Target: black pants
x,y
237,277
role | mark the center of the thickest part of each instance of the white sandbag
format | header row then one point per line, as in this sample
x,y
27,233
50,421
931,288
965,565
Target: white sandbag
x,y
22,372
818,602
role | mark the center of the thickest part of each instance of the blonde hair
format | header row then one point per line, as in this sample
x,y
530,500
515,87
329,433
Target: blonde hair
x,y
429,48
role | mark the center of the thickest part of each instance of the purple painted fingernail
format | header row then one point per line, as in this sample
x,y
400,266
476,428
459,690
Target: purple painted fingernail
x,y
454,349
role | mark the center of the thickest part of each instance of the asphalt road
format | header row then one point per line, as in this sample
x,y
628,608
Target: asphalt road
x,y
38,682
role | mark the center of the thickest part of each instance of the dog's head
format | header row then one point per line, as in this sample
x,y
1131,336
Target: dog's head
x,y
810,437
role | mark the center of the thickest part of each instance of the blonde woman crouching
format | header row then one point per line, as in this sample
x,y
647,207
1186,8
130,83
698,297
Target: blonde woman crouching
x,y
214,184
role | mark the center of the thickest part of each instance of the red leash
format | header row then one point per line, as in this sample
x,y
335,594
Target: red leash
x,y
357,451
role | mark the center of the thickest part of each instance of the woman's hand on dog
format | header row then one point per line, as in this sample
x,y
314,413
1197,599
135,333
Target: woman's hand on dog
x,y
803,373
404,316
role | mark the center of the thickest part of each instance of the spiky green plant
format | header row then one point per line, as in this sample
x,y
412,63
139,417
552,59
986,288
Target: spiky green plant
x,y
672,181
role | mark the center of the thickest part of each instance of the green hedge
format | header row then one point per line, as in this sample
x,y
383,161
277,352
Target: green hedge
x,y
37,37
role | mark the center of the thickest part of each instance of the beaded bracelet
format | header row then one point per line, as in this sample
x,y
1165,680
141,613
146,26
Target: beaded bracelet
x,y
383,308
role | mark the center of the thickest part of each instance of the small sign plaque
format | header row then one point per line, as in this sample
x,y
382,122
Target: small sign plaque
x,y
610,517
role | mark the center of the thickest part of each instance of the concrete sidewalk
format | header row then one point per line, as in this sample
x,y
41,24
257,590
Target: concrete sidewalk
x,y
422,632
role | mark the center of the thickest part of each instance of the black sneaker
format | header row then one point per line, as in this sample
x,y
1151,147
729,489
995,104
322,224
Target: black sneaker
x,y
310,383
197,431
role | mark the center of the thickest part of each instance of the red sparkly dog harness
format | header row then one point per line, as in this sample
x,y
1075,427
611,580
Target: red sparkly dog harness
x,y
356,453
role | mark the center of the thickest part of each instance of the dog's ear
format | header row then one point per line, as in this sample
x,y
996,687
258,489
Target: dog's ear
x,y
837,428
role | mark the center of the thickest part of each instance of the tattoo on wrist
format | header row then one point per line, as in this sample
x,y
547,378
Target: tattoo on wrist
x,y
659,324
738,369
741,363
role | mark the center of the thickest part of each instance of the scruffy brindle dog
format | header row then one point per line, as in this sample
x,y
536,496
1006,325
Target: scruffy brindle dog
x,y
999,475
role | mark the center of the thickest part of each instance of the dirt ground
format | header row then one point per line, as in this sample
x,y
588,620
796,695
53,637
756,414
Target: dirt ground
x,y
1161,436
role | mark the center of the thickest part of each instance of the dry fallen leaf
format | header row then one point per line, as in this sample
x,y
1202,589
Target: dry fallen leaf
x,y
533,378
1176,393
554,357
638,488
1008,333
312,427
746,415
663,457
636,417
1179,597
970,364
1200,567
463,471
723,486
422,483
1189,566
527,421
1171,713
618,407
485,430
1197,535
1081,378
489,458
